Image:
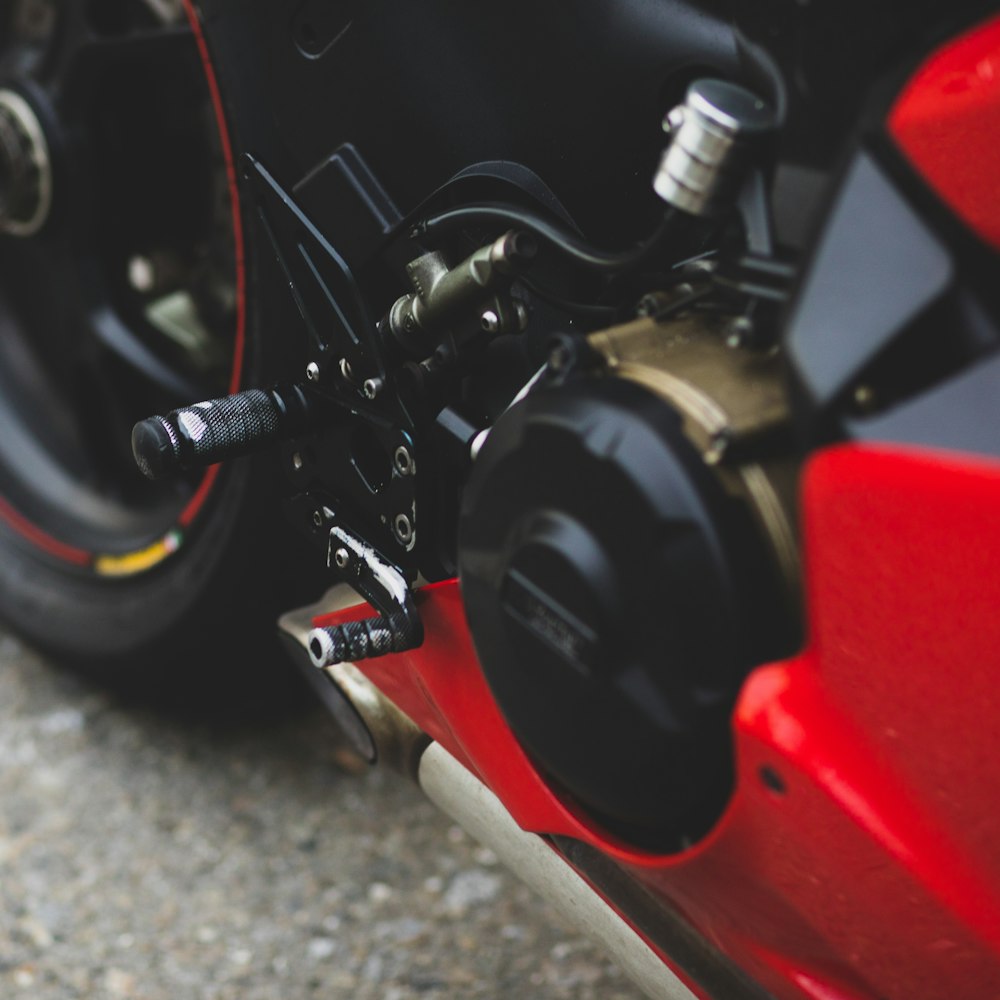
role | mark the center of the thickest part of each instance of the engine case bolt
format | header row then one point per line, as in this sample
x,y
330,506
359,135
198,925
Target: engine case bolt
x,y
372,387
342,558
312,371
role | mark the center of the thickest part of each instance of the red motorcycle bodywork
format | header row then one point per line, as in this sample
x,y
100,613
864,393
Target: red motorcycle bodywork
x,y
859,856
947,122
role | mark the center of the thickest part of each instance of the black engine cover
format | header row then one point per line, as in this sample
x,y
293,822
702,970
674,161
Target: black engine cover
x,y
604,571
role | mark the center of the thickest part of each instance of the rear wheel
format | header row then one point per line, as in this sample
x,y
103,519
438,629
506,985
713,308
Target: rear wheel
x,y
121,295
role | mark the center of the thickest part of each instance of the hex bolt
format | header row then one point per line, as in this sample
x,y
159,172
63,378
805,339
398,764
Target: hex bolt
x,y
490,321
372,387
342,558
403,529
403,460
312,371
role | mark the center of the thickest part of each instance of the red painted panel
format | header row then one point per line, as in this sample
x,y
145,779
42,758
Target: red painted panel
x,y
865,863
947,121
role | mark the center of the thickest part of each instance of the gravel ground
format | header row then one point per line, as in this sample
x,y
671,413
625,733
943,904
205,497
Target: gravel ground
x,y
156,857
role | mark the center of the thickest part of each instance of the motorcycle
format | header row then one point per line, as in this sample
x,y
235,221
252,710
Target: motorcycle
x,y
607,392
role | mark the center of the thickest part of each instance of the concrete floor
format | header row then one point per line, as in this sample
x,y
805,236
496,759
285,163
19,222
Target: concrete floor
x,y
146,856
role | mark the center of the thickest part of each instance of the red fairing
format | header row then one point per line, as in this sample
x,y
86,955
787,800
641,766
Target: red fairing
x,y
860,855
945,121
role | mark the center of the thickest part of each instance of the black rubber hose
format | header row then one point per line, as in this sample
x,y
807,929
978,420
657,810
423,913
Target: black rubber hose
x,y
558,237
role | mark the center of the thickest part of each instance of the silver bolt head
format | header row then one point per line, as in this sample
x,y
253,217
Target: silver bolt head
x,y
312,371
403,460
345,369
296,461
402,528
342,558
318,518
372,387
490,321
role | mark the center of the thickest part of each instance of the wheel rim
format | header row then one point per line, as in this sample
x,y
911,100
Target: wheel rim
x,y
121,284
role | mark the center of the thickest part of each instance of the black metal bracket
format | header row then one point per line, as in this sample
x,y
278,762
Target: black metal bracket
x,y
396,628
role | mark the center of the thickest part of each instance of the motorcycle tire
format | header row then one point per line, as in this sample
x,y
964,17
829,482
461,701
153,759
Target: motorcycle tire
x,y
122,293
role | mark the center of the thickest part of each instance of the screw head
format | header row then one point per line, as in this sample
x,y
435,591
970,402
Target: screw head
x,y
318,518
490,321
297,461
372,387
345,369
342,558
402,528
312,371
403,461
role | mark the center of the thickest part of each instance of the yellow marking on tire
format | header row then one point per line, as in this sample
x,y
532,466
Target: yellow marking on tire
x,y
131,563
